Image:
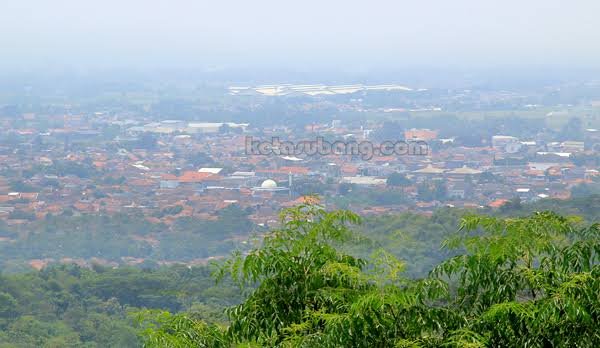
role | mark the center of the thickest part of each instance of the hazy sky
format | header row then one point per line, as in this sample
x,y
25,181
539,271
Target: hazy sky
x,y
306,33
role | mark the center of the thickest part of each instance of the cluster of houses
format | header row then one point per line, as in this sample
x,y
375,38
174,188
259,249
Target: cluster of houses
x,y
196,169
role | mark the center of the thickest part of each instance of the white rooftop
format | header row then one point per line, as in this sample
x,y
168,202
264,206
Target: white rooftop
x,y
210,170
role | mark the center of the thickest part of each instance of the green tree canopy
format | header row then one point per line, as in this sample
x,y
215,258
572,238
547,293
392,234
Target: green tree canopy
x,y
518,282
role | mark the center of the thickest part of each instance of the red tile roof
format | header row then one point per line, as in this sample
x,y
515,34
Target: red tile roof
x,y
192,177
294,170
498,203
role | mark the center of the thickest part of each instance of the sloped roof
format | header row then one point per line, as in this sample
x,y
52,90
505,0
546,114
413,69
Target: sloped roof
x,y
210,170
429,170
191,177
465,171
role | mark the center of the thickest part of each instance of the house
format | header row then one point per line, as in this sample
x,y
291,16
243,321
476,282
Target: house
x,y
428,172
497,203
210,170
524,193
499,142
464,171
193,177
457,190
364,180
572,146
420,134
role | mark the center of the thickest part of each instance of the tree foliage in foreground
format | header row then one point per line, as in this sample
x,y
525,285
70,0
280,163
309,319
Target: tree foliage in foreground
x,y
523,282
71,306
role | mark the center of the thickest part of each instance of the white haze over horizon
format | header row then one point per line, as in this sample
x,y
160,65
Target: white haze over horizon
x,y
307,34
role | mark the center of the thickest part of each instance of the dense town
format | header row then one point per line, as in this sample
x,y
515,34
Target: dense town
x,y
166,169
299,174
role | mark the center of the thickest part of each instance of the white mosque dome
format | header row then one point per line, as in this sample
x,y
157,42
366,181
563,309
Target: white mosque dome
x,y
268,184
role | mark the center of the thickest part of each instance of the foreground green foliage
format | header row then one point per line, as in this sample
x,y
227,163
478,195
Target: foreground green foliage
x,y
69,306
521,282
412,237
